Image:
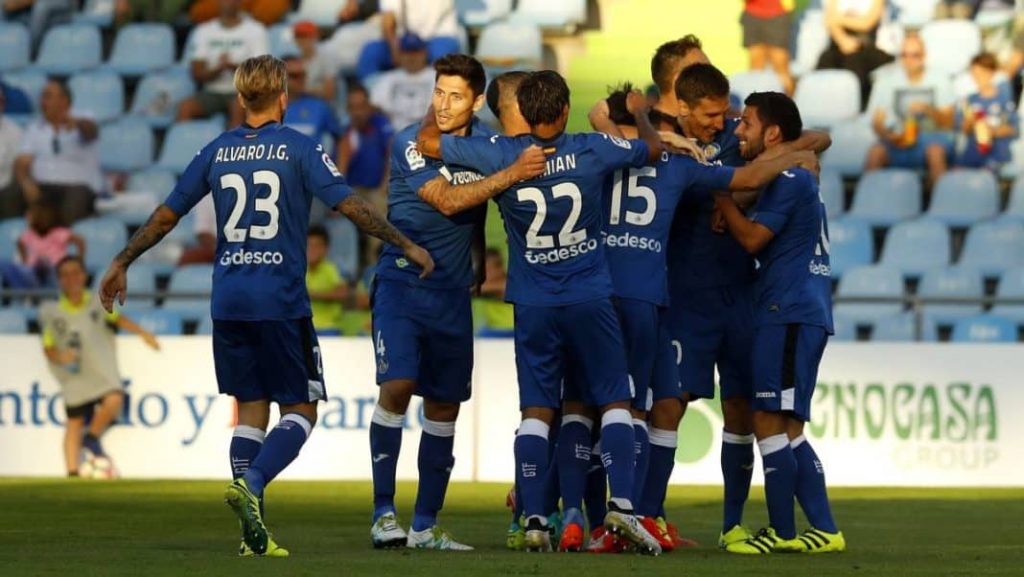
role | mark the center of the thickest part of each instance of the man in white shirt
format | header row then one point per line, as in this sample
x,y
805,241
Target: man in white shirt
x,y
912,114
435,21
219,46
58,159
404,93
11,202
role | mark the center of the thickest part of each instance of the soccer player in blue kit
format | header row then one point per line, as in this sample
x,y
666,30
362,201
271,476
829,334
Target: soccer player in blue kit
x,y
559,284
263,177
423,328
788,232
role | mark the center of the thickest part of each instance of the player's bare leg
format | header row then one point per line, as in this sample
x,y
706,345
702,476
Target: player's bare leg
x,y
106,411
73,443
385,444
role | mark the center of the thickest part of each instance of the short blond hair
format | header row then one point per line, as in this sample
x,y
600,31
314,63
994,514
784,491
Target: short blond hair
x,y
260,80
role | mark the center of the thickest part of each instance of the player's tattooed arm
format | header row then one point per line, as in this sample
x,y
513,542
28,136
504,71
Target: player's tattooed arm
x,y
366,218
451,199
637,105
752,236
428,140
115,281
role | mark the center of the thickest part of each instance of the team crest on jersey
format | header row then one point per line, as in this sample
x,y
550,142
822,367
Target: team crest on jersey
x,y
413,157
401,262
711,151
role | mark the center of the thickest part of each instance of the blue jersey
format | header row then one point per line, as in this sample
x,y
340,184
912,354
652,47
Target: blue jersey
x,y
448,239
313,117
263,181
553,222
640,207
794,284
698,256
998,111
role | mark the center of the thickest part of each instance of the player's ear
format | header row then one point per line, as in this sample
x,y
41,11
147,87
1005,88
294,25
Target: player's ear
x,y
684,108
772,134
479,102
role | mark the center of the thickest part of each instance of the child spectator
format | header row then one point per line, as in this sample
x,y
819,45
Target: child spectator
x,y
43,244
988,118
327,290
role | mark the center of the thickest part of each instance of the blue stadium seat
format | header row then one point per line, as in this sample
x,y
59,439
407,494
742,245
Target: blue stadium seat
x,y
742,84
870,281
951,282
160,182
324,13
830,185
851,244
1011,286
828,97
99,93
564,14
10,230
13,322
994,247
916,246
141,280
482,12
510,45
902,327
70,48
811,40
14,46
950,45
158,94
344,246
96,12
130,207
158,321
887,196
183,141
194,278
1015,207
850,143
984,329
845,329
29,80
104,237
126,145
142,48
914,13
282,40
205,326
962,197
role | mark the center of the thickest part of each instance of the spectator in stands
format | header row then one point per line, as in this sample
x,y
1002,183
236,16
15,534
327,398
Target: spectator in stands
x,y
988,118
320,73
852,26
11,201
204,249
912,114
363,156
38,15
767,27
1014,64
266,12
358,24
59,159
220,45
404,93
436,22
498,317
78,342
327,290
166,11
308,113
17,102
957,9
43,244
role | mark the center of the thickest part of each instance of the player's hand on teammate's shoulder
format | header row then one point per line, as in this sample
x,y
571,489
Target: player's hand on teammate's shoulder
x,y
114,285
807,160
679,144
636,102
530,163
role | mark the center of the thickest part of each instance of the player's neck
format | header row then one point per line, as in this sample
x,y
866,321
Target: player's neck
x,y
258,119
667,104
75,298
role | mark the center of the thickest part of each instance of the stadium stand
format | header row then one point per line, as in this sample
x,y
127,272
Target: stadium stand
x,y
157,321
98,93
851,245
828,97
984,329
850,143
916,246
183,140
963,197
195,278
477,13
994,247
564,15
950,44
833,194
104,237
13,322
10,230
744,83
885,197
954,283
872,281
126,145
96,12
70,48
142,48
510,45
158,95
1011,286
15,46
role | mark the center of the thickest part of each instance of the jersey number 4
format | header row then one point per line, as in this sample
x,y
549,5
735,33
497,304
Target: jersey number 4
x,y
266,205
566,236
634,190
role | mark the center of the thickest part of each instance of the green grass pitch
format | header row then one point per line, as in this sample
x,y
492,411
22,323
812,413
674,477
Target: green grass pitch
x,y
152,528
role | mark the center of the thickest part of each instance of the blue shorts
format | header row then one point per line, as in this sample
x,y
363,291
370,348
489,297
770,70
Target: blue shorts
x,y
786,359
268,360
714,326
424,335
914,156
582,340
649,353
